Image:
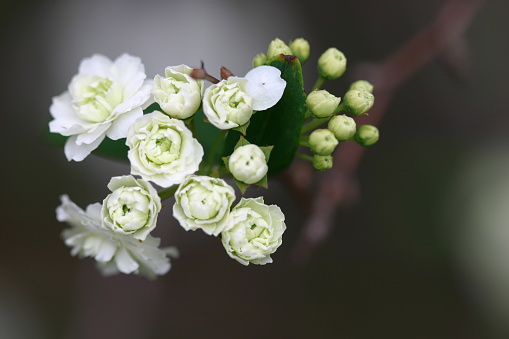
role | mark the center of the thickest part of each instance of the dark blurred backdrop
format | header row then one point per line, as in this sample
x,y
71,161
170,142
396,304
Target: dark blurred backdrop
x,y
423,253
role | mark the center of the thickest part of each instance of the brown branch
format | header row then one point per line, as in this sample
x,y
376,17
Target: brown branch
x,y
337,185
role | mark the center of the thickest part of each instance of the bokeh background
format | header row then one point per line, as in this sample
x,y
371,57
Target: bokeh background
x,y
423,252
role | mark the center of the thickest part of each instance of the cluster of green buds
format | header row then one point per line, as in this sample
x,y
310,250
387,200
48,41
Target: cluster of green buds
x,y
326,108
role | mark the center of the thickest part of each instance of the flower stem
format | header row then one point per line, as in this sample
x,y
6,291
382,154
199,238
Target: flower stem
x,y
304,156
216,147
340,108
167,192
313,124
319,83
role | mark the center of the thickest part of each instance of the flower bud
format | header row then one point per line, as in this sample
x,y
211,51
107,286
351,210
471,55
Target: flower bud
x,y
248,164
362,84
322,162
332,64
366,135
342,126
322,142
358,101
321,103
276,47
300,48
259,60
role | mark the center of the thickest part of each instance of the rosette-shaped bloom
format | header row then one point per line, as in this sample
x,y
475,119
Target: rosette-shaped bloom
x,y
113,252
257,232
177,93
248,164
103,99
231,102
203,202
131,208
162,149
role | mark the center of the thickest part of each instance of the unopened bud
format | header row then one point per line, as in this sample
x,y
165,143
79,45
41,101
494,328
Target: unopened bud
x,y
300,48
362,84
276,47
366,135
332,64
342,126
358,101
322,142
322,162
322,104
259,60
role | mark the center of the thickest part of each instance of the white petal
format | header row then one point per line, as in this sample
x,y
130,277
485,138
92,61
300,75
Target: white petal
x,y
120,126
79,152
125,263
129,72
97,64
265,86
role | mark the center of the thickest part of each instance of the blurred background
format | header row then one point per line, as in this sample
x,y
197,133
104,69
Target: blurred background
x,y
422,253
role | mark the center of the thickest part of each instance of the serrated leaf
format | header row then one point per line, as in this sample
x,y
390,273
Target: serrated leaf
x,y
279,125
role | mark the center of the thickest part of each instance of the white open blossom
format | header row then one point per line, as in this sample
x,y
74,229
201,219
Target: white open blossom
x,y
248,164
177,93
231,102
257,232
131,208
162,149
203,202
113,252
103,99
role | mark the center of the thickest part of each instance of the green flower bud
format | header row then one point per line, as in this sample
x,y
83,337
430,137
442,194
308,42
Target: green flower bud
x,y
342,126
259,60
276,47
300,48
332,64
322,142
322,162
322,104
366,135
362,84
358,101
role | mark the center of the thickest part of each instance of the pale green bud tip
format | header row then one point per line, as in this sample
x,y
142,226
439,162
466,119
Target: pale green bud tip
x,y
300,48
322,142
259,60
322,162
358,101
276,47
362,84
332,64
366,135
342,126
322,104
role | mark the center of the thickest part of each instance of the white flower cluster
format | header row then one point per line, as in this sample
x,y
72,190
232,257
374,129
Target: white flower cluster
x,y
107,99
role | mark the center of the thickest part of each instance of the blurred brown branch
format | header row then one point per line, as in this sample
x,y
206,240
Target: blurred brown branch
x,y
337,186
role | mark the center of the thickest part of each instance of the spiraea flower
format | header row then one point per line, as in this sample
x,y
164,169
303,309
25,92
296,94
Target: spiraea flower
x,y
103,99
332,63
113,252
256,233
131,208
177,93
162,150
248,164
203,202
322,104
231,102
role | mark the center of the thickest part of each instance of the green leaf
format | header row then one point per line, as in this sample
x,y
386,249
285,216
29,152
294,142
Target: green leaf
x,y
279,125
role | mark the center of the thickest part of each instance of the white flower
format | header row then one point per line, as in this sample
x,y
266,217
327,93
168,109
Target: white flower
x,y
162,149
103,99
248,164
231,102
177,93
131,208
256,234
203,202
113,252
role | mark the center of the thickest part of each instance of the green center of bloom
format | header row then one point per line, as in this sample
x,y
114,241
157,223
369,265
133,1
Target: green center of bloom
x,y
164,146
129,208
95,98
204,203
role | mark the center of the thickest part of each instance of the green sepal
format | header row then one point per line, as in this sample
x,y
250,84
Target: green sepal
x,y
281,124
215,174
243,128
